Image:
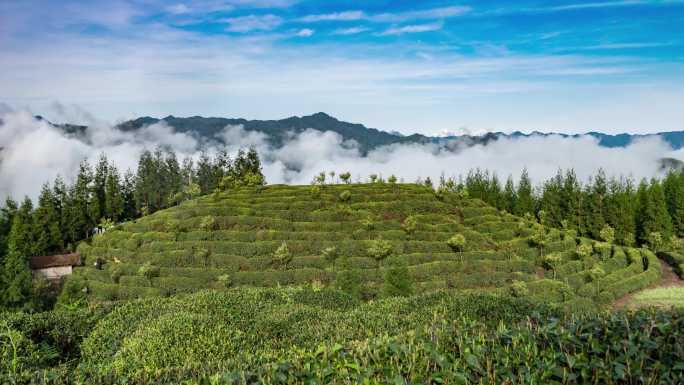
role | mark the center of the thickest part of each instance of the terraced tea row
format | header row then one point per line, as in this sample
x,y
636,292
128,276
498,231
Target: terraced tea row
x,y
299,235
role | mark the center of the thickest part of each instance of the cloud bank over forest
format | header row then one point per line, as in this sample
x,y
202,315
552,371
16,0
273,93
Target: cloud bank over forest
x,y
35,152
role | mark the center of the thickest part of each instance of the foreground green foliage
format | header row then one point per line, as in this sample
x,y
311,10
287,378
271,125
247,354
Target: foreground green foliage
x,y
305,336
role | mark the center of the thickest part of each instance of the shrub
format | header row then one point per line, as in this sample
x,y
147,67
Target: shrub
x,y
607,234
457,242
224,280
345,196
208,223
519,289
368,223
351,282
380,249
330,253
584,251
397,281
148,271
551,261
655,241
282,256
409,225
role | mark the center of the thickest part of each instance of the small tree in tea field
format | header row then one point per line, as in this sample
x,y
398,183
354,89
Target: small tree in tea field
x,y
345,196
282,256
551,262
607,234
397,280
457,243
349,280
539,239
368,223
595,274
224,280
149,271
380,249
655,241
584,251
208,223
519,289
201,254
330,253
346,177
409,225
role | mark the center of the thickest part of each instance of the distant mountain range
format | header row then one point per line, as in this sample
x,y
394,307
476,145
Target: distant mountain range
x,y
277,131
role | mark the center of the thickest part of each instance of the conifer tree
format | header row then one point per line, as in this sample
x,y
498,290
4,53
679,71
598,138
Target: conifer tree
x,y
98,190
128,196
673,187
551,201
114,199
47,232
205,174
525,201
571,201
653,215
494,192
508,200
16,276
596,195
6,217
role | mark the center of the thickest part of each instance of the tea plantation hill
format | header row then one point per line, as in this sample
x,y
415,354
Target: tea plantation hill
x,y
302,235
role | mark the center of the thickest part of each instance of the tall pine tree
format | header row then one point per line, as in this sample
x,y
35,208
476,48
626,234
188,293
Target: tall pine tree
x,y
525,202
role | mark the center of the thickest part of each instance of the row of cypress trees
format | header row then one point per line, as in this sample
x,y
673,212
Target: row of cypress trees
x,y
64,215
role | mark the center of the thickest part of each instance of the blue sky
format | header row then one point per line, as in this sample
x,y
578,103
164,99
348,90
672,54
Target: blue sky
x,y
409,66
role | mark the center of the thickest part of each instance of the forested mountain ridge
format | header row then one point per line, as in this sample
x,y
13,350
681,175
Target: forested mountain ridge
x,y
277,131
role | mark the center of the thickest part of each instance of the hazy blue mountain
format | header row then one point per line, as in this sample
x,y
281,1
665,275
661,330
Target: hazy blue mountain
x,y
368,138
278,130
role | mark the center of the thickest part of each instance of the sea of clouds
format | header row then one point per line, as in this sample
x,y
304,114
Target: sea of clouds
x,y
34,151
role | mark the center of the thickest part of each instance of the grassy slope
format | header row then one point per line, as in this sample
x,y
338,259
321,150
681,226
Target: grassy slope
x,y
672,296
247,227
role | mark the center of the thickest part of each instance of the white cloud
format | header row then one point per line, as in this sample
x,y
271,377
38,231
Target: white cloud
x,y
178,9
425,14
253,23
625,46
305,32
340,16
415,28
350,31
604,4
47,152
434,13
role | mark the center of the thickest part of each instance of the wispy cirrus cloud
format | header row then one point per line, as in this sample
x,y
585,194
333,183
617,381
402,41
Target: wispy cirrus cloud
x,y
425,14
602,4
350,31
250,23
626,46
338,16
390,17
414,28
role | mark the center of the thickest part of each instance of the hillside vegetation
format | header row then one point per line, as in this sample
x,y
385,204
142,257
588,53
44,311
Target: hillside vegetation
x,y
323,336
360,238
